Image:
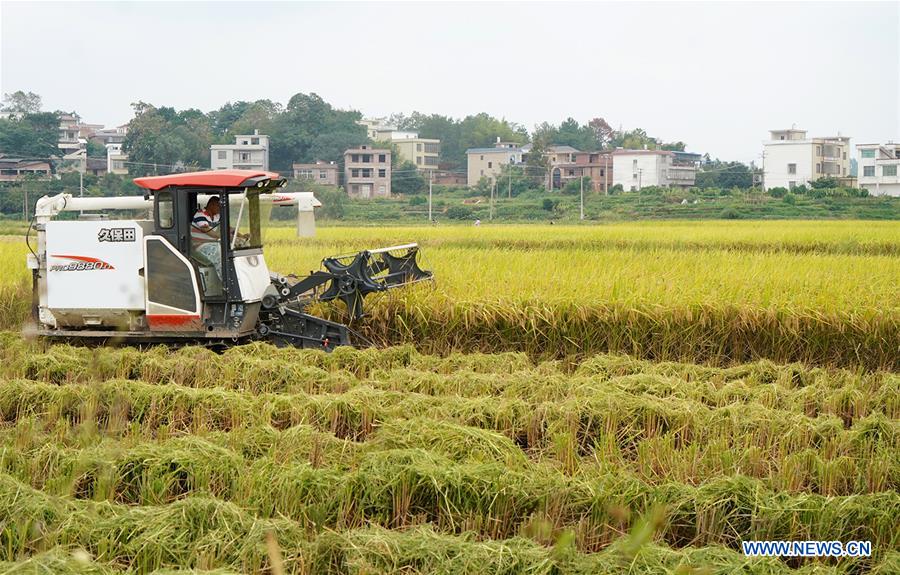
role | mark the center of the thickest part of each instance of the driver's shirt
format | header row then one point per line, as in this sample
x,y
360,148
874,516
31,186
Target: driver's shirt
x,y
202,224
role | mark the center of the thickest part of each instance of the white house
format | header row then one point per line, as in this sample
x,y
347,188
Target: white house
x,y
791,159
249,152
489,162
877,168
116,159
636,169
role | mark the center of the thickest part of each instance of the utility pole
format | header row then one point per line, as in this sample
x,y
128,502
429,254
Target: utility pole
x,y
582,193
430,182
640,177
81,178
493,187
605,174
509,181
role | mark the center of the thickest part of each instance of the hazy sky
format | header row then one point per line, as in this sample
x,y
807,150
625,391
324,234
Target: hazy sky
x,y
715,75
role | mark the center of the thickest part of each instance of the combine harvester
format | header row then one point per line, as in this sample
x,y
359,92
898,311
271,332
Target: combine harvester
x,y
137,280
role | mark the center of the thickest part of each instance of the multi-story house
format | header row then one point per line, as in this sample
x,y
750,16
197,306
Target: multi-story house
x,y
598,166
876,168
636,169
249,152
116,159
791,159
425,153
324,173
70,140
106,136
373,126
489,162
367,172
561,163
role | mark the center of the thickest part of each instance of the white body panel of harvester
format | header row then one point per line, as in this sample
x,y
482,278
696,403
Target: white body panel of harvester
x,y
253,276
94,271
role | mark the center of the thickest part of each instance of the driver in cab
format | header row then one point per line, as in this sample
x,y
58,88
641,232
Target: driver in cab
x,y
205,233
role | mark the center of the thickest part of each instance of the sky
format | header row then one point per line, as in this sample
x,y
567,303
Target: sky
x,y
717,76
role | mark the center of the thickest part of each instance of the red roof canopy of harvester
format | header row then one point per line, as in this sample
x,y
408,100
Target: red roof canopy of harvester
x,y
210,179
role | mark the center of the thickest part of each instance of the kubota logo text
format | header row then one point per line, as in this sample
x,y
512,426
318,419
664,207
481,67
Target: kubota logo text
x,y
79,264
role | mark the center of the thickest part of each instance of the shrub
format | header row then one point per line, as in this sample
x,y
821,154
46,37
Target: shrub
x,y
789,199
778,192
459,212
730,214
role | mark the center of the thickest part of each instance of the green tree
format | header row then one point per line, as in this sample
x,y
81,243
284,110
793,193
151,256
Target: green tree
x,y
602,131
20,102
161,139
30,135
406,180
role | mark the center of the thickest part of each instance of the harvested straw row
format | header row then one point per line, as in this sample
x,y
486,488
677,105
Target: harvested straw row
x,y
262,369
611,422
373,550
400,488
85,462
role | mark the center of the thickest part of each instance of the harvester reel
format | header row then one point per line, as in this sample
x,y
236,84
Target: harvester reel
x,y
349,278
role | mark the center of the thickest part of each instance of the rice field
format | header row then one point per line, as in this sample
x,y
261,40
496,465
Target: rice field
x,y
629,398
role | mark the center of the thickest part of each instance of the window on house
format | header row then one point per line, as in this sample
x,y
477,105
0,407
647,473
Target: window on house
x,y
818,150
323,174
482,157
482,172
381,158
367,172
601,173
432,148
245,156
382,190
869,171
845,155
418,147
243,142
792,185
382,173
571,172
868,153
419,160
222,154
818,168
354,173
634,165
792,168
490,165
254,141
367,158
889,170
634,176
354,158
633,188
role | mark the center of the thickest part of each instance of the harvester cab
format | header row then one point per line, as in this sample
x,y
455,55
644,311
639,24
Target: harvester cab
x,y
195,270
